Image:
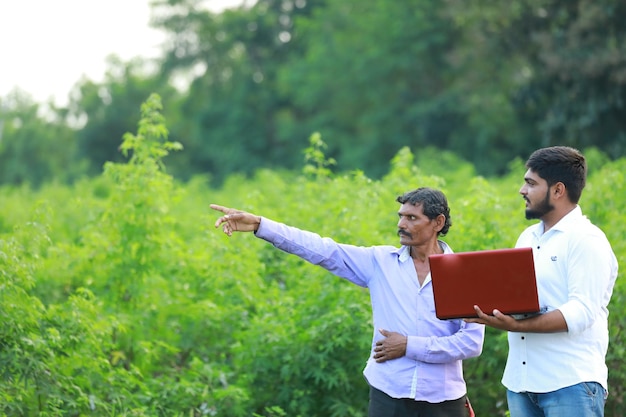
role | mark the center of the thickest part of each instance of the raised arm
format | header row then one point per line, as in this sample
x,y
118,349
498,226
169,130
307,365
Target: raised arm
x,y
235,220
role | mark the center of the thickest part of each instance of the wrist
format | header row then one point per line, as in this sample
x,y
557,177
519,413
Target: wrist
x,y
257,223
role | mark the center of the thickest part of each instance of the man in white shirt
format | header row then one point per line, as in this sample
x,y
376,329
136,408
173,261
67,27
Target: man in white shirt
x,y
556,364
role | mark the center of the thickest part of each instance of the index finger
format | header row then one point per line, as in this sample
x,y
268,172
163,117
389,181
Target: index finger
x,y
224,210
219,208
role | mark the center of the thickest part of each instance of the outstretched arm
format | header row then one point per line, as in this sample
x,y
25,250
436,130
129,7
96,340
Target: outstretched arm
x,y
235,220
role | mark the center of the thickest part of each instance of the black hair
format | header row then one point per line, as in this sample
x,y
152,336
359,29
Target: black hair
x,y
433,202
561,164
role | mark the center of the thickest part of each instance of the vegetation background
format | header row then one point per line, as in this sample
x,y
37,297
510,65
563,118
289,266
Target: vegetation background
x,y
488,81
117,297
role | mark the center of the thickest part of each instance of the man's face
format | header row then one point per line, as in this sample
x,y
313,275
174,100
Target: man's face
x,y
414,227
537,195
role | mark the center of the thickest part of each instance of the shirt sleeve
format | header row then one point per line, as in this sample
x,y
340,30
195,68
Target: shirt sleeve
x,y
466,343
353,263
589,272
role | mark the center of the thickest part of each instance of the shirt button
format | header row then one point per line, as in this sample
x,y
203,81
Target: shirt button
x,y
524,363
523,338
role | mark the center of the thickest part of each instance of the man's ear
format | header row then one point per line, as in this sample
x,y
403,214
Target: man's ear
x,y
559,190
440,222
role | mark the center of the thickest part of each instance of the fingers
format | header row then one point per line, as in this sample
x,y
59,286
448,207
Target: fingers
x,y
225,219
478,311
497,320
383,353
226,228
391,347
481,319
235,220
495,313
379,343
229,214
219,208
221,220
482,315
380,354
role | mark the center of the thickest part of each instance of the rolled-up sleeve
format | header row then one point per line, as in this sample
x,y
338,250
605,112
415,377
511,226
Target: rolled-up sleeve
x,y
466,343
589,270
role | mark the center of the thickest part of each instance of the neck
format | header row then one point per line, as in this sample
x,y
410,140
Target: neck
x,y
422,252
555,216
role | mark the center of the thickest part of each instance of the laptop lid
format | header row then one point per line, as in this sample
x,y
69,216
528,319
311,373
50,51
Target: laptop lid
x,y
500,278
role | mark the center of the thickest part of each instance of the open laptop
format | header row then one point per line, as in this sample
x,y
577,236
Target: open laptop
x,y
500,278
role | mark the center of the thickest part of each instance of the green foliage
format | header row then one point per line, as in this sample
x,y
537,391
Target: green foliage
x,y
51,356
316,163
488,81
119,298
107,110
36,144
559,77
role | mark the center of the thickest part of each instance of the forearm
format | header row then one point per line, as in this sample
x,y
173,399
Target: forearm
x,y
551,322
466,343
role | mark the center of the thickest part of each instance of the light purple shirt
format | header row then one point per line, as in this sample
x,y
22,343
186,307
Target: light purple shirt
x,y
432,369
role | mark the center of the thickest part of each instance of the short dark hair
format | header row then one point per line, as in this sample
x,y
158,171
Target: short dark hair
x,y
561,164
433,202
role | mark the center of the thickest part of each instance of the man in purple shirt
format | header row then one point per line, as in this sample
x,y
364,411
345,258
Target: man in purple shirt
x,y
415,368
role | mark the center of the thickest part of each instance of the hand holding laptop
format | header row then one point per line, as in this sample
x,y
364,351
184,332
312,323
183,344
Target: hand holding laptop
x,y
498,320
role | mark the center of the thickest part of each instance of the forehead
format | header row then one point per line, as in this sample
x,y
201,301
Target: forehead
x,y
531,175
414,209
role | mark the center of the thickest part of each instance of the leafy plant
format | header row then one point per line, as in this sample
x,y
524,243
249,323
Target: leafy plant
x,y
119,298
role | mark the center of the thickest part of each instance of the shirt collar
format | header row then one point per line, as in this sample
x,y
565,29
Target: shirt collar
x,y
566,223
404,252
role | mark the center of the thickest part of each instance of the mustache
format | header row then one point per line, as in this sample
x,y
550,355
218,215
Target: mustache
x,y
405,233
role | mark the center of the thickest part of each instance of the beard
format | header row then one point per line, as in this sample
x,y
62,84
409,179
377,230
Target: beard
x,y
544,207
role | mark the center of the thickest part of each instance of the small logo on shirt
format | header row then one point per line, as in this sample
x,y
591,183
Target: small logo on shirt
x,y
553,258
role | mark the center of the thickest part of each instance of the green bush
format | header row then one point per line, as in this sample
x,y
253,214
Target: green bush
x,y
119,298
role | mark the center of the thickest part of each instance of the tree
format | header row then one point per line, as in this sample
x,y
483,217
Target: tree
x,y
535,73
234,108
111,108
373,79
36,143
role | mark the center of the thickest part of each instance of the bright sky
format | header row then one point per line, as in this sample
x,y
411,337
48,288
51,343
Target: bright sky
x,y
47,46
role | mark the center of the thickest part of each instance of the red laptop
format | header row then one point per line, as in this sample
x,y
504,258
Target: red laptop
x,y
501,278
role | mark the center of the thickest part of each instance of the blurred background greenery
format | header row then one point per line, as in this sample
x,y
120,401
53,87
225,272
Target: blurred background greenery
x,y
489,81
118,297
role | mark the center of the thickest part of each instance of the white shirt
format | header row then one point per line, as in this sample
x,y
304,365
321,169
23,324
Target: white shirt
x,y
576,271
